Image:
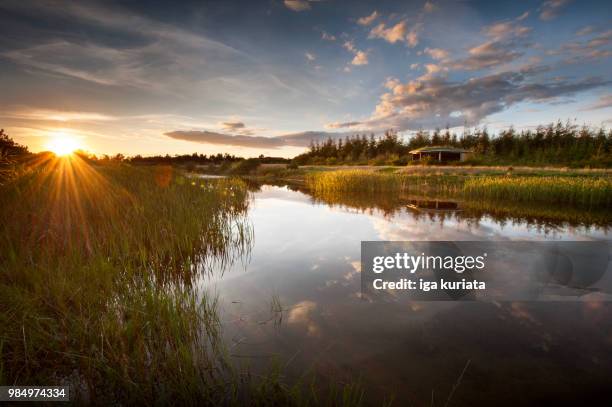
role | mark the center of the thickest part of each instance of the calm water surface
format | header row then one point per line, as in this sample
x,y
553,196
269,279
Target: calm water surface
x,y
297,300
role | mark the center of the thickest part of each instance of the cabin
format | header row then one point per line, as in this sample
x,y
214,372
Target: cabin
x,y
440,154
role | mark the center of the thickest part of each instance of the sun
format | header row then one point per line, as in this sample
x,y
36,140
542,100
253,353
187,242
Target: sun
x,y
62,144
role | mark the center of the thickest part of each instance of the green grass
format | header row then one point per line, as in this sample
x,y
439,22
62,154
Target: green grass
x,y
575,191
378,181
570,189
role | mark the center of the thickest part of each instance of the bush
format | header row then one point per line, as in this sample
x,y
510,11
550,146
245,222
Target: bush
x,y
245,167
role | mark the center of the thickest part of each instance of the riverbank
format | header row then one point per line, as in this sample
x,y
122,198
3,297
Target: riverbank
x,y
586,188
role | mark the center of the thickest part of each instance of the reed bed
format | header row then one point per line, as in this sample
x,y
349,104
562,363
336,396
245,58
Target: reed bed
x,y
380,181
99,273
573,191
577,191
96,274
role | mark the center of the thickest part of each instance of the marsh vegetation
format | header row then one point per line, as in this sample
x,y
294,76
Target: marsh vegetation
x,y
101,274
569,189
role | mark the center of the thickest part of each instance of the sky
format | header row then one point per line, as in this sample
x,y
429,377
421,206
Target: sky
x,y
267,77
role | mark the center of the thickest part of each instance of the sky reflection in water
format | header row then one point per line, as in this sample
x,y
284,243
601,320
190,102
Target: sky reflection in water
x,y
306,254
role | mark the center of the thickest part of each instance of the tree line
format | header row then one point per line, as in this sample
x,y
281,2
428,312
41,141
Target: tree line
x,y
555,144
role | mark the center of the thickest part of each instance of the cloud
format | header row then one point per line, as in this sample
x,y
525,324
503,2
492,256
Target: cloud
x,y
349,45
603,103
506,38
429,7
233,125
397,33
297,5
361,58
434,101
551,9
310,56
368,19
56,115
431,70
302,314
301,139
93,60
487,55
585,31
523,16
339,125
211,137
505,29
596,47
327,37
392,34
437,53
412,39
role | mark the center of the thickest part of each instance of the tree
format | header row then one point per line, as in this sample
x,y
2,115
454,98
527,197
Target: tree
x,y
10,154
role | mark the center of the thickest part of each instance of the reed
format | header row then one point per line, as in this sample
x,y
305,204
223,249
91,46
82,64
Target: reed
x,y
381,181
575,191
96,275
571,190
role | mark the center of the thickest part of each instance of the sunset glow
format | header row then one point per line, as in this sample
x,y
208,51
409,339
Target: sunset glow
x,y
62,144
270,77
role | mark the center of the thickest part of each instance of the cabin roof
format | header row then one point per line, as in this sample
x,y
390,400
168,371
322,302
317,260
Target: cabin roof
x,y
439,149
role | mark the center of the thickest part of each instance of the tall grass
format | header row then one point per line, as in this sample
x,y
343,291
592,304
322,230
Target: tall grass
x,y
381,181
96,270
578,191
99,273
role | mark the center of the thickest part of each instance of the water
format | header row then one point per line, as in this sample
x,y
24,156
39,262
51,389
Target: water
x,y
297,301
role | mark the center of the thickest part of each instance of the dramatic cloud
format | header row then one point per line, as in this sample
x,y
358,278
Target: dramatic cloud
x,y
368,19
552,8
173,50
297,5
397,33
433,101
302,139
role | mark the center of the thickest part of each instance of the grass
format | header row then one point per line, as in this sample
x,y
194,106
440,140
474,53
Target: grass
x,y
96,274
99,273
380,181
574,191
570,189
